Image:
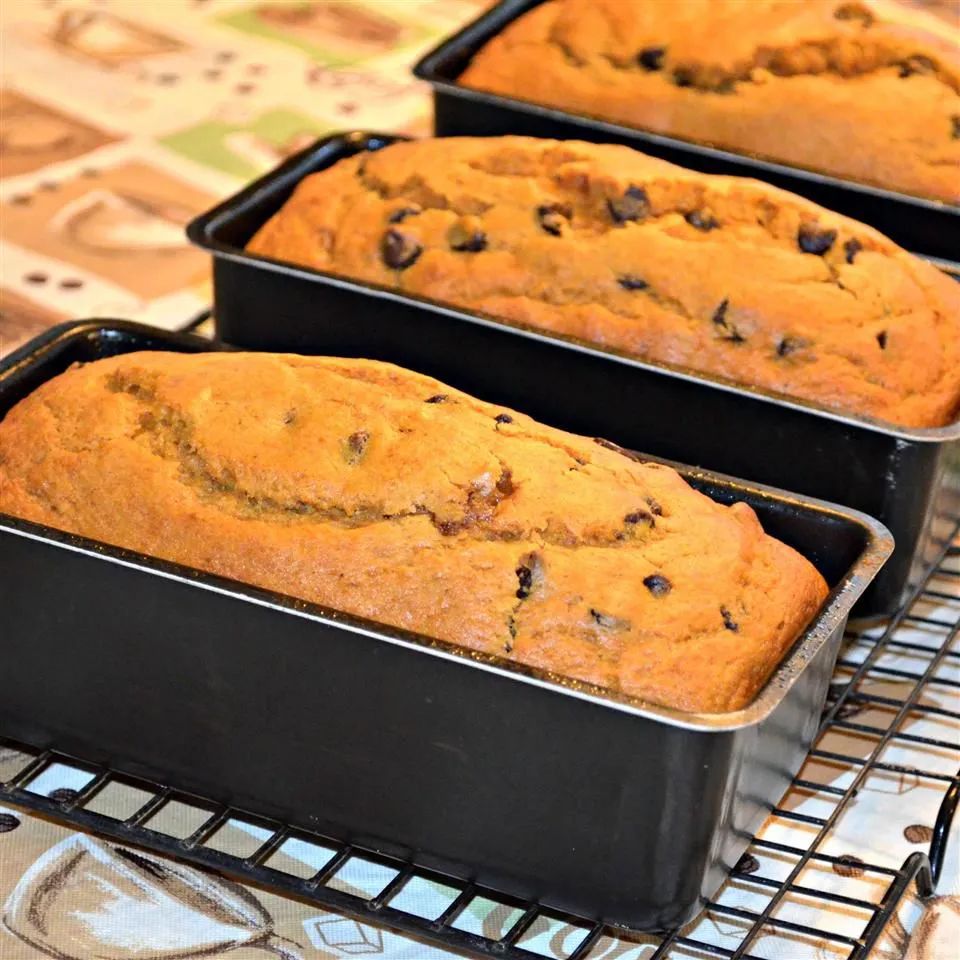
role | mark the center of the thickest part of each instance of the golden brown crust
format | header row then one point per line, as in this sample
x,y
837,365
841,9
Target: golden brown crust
x,y
614,247
868,90
378,491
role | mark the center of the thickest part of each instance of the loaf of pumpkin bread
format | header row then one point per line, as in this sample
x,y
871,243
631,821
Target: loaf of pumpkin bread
x,y
373,490
868,90
722,275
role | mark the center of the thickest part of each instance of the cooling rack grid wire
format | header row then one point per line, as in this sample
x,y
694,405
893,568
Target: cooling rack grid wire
x,y
807,886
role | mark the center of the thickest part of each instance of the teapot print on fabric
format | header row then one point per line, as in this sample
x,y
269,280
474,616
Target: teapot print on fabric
x,y
85,899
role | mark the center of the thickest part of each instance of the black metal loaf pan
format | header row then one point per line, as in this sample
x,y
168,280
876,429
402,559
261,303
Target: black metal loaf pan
x,y
907,478
924,226
482,770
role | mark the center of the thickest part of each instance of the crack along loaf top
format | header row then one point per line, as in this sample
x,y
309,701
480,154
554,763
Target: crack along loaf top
x,y
868,90
722,275
378,491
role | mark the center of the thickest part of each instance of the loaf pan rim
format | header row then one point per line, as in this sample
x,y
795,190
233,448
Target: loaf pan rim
x,y
202,233
833,612
426,69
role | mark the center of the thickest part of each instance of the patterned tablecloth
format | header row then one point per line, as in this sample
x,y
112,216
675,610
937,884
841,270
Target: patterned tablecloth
x,y
120,121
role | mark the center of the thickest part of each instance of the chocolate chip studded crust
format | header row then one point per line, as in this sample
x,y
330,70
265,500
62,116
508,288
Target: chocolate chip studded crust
x,y
722,275
868,90
384,493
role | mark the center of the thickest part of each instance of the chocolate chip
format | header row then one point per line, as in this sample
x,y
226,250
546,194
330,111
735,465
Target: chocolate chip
x,y
720,319
8,822
398,250
639,516
529,574
503,418
398,216
918,833
882,339
553,216
358,441
466,241
700,220
748,863
651,58
630,281
955,121
720,314
505,483
728,620
789,345
854,11
608,622
654,506
657,584
848,866
633,205
811,239
683,77
851,248
917,64
356,446
437,398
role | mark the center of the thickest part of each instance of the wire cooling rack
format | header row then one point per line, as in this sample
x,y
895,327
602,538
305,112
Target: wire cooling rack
x,y
885,718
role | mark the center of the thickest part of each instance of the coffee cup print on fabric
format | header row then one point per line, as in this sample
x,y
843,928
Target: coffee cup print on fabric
x,y
87,899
